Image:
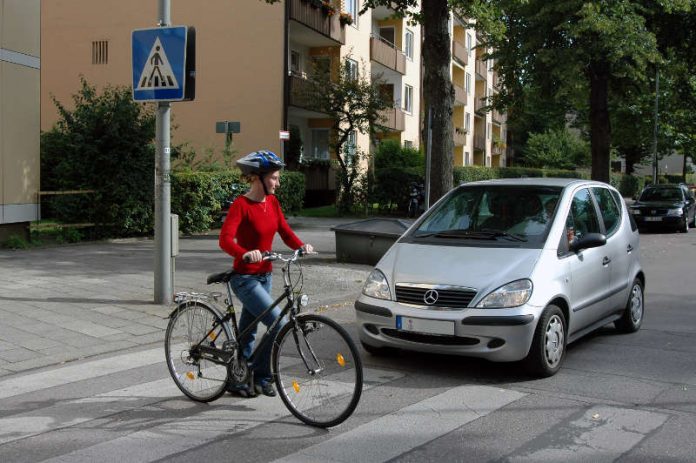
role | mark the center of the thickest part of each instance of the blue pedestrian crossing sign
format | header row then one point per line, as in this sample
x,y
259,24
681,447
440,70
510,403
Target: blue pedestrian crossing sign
x,y
162,67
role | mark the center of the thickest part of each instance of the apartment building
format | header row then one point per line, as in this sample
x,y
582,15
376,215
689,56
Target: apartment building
x,y
252,60
479,134
20,53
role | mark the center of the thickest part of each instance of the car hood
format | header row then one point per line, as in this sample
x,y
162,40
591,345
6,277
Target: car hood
x,y
658,204
480,268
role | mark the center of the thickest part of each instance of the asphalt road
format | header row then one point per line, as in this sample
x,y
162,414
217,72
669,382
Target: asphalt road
x,y
618,397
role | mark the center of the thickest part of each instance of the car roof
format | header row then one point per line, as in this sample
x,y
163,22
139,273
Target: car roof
x,y
537,181
666,185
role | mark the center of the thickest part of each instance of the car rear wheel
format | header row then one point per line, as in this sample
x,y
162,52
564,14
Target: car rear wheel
x,y
632,317
684,228
548,345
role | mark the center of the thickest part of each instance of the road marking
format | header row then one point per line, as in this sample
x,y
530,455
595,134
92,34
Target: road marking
x,y
24,384
602,433
177,436
399,432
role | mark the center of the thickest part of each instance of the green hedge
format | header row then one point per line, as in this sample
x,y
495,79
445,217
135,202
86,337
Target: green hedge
x,y
628,185
465,174
393,185
197,197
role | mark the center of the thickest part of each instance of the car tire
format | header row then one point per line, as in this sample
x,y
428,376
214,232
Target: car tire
x,y
632,317
685,226
549,343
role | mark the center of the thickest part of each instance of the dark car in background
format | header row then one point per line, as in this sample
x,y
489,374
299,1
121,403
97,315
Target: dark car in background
x,y
667,205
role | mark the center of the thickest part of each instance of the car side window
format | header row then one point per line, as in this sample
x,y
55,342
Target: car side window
x,y
611,212
582,218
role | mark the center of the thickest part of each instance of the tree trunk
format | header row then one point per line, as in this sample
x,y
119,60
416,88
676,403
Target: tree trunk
x,y
600,128
438,94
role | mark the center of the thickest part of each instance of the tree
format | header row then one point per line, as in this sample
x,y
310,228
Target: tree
x,y
556,149
353,104
105,144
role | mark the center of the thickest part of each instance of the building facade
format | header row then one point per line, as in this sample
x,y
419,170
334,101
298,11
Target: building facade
x,y
20,51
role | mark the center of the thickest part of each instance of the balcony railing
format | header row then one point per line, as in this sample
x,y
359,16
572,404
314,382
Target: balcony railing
x,y
301,93
393,119
480,142
459,95
479,103
498,117
459,52
387,55
315,18
481,69
459,136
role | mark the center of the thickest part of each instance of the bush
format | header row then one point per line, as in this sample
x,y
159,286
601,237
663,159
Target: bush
x,y
396,167
104,144
197,197
556,149
465,174
628,185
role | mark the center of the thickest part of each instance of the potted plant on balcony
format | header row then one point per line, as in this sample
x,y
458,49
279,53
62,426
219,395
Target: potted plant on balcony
x,y
315,3
346,19
328,8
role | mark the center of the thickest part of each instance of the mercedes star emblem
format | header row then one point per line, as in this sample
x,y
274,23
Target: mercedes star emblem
x,y
430,296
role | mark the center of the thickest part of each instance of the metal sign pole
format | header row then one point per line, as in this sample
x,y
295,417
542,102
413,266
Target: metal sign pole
x,y
163,231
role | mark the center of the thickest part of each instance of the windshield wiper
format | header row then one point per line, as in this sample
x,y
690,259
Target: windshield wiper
x,y
474,235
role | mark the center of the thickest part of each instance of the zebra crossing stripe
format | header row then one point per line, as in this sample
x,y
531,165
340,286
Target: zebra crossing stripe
x,y
162,441
399,432
602,433
18,385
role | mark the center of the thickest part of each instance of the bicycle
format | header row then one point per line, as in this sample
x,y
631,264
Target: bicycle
x,y
315,364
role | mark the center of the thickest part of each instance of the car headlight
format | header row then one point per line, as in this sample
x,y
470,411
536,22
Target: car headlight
x,y
675,212
512,294
635,211
376,286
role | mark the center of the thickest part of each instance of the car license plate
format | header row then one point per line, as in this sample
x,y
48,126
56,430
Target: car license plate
x,y
422,325
653,219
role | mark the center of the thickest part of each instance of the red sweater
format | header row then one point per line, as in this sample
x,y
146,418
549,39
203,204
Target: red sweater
x,y
252,225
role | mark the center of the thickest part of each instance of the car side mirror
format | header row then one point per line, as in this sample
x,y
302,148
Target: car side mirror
x,y
590,240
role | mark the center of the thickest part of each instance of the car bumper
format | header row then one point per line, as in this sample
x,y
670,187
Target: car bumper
x,y
501,335
658,221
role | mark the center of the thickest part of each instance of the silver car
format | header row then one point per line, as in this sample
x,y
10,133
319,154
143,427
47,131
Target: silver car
x,y
507,270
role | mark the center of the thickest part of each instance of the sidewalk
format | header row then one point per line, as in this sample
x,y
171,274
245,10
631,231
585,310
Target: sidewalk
x,y
66,303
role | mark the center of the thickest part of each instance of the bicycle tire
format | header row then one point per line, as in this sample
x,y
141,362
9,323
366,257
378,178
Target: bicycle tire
x,y
201,380
326,397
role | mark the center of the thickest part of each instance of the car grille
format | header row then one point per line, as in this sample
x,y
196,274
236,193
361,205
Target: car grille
x,y
654,212
447,296
423,338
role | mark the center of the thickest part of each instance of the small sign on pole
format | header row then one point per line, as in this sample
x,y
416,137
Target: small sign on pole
x,y
284,135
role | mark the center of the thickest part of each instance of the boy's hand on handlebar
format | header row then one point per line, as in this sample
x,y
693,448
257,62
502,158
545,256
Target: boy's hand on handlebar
x,y
252,257
307,249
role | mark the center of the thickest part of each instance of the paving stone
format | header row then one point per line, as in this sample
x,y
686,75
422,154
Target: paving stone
x,y
18,354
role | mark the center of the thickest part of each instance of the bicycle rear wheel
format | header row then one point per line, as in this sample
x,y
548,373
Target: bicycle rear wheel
x,y
318,371
200,379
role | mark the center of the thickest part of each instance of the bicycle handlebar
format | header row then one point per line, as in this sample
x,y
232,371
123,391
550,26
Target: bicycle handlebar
x,y
272,255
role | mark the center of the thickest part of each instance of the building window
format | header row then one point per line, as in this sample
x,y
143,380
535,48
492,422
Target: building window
x,y
351,147
352,8
100,52
466,158
467,123
351,69
408,49
408,144
469,45
295,66
320,144
408,98
467,83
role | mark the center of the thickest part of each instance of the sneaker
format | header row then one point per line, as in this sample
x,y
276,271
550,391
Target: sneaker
x,y
241,390
266,389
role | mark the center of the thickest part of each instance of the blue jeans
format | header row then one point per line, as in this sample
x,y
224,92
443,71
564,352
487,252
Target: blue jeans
x,y
255,293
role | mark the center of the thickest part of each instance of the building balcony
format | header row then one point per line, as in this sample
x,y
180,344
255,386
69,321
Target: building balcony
x,y
316,19
495,79
301,93
480,142
481,70
497,148
459,53
387,55
393,119
459,136
498,117
479,104
459,95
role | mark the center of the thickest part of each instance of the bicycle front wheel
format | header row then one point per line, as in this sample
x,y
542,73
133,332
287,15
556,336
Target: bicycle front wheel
x,y
318,371
200,379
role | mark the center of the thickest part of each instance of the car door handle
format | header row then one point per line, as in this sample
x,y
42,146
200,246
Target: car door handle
x,y
606,261
629,248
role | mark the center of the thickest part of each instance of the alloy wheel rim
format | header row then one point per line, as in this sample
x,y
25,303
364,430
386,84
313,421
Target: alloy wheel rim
x,y
636,304
554,341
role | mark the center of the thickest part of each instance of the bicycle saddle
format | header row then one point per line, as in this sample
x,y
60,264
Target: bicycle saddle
x,y
222,277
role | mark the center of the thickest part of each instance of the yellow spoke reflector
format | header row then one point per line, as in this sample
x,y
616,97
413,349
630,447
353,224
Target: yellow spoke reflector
x,y
213,336
296,386
190,375
341,361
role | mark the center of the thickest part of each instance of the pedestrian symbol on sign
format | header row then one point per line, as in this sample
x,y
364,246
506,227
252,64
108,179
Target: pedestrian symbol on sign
x,y
157,73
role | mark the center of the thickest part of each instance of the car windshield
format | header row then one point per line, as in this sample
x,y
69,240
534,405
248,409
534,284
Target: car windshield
x,y
493,213
661,194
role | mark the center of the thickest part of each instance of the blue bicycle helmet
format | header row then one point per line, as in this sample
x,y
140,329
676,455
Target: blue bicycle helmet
x,y
259,163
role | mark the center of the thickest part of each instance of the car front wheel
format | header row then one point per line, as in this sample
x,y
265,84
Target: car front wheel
x,y
632,317
548,345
